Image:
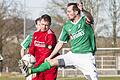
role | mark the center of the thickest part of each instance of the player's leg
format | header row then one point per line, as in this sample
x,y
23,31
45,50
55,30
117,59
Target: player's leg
x,y
45,66
39,76
41,68
60,60
51,74
93,75
87,65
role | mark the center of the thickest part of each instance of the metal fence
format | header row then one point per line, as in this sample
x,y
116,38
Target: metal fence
x,y
107,61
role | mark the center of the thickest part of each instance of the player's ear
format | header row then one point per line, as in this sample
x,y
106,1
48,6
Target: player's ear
x,y
76,12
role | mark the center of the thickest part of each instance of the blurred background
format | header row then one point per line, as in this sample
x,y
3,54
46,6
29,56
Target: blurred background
x,y
17,21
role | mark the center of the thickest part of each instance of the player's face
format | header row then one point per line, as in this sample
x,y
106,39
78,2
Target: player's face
x,y
70,13
43,25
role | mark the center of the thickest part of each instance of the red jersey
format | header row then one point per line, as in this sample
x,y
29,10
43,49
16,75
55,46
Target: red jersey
x,y
42,45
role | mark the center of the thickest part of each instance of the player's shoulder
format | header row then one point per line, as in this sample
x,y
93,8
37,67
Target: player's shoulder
x,y
35,32
31,33
83,17
67,23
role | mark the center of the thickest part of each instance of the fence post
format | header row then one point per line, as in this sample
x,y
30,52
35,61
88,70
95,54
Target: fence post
x,y
118,65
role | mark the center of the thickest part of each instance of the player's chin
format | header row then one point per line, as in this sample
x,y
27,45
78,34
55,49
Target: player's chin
x,y
44,30
70,18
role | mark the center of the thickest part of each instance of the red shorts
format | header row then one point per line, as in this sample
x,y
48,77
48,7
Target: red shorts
x,y
47,75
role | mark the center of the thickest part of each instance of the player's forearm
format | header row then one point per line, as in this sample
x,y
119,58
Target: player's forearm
x,y
22,52
87,14
56,49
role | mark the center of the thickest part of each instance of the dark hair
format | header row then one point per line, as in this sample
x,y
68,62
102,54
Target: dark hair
x,y
45,17
75,8
37,20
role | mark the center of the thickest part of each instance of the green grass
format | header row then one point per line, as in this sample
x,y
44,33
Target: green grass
x,y
70,78
21,77
8,78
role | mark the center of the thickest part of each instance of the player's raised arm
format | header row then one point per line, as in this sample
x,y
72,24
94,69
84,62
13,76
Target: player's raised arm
x,y
88,15
56,50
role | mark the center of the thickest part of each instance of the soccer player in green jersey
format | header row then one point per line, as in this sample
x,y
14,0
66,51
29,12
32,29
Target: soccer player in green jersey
x,y
78,31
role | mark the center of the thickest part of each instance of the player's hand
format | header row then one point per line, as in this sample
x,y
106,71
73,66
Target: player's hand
x,y
80,6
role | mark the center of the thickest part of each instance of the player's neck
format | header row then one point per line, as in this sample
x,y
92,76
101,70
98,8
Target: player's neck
x,y
76,19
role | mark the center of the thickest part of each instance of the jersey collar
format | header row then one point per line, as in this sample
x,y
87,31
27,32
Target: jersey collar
x,y
76,21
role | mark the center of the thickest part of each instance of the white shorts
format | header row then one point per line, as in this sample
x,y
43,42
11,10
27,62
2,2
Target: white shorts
x,y
84,62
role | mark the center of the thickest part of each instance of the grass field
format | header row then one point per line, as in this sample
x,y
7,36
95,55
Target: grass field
x,y
20,77
70,78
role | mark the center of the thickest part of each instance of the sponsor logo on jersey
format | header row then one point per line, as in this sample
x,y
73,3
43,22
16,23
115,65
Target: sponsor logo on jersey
x,y
77,34
39,44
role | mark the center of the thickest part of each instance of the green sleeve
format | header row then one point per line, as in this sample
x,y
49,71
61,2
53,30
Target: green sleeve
x,y
92,39
25,44
64,36
92,36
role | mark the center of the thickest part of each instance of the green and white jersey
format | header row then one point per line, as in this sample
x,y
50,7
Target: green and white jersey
x,y
26,43
80,34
